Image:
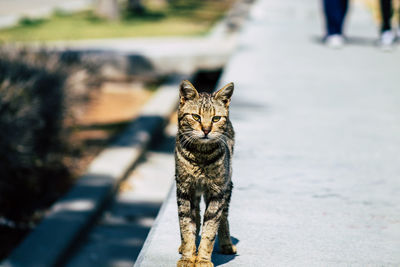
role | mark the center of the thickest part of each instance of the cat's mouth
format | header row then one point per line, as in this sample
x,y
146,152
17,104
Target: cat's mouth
x,y
207,139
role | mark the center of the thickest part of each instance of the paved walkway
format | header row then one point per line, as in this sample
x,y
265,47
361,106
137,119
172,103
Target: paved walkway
x,y
317,164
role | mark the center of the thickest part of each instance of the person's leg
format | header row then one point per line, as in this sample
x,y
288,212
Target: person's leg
x,y
386,12
344,5
335,12
396,13
387,36
398,25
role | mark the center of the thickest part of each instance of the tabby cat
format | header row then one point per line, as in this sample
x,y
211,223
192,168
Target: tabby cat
x,y
203,155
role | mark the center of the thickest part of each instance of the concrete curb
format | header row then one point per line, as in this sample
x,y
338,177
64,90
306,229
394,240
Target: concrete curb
x,y
150,56
146,246
67,220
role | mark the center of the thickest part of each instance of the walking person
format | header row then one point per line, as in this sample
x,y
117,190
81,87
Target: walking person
x,y
335,13
387,37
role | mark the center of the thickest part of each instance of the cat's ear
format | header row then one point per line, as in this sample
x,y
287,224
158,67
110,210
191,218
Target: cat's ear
x,y
187,91
225,93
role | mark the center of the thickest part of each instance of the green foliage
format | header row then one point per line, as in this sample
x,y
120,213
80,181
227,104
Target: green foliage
x,y
30,22
177,17
36,95
146,15
31,114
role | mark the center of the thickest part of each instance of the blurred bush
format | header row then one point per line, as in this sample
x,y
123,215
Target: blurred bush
x,y
26,21
40,92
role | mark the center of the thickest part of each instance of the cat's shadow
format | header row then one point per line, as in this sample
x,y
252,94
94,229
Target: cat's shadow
x,y
219,259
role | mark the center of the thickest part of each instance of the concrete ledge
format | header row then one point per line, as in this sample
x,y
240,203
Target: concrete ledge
x,y
151,56
163,229
67,220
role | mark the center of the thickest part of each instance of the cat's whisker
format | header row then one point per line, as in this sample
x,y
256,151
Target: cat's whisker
x,y
184,142
188,140
223,141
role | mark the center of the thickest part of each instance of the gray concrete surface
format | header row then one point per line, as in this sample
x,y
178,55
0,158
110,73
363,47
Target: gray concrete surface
x,y
71,216
316,168
118,236
166,55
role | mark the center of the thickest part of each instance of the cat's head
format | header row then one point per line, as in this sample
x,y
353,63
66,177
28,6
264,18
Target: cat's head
x,y
203,116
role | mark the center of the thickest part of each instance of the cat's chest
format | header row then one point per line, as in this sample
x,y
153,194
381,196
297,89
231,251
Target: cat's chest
x,y
202,170
206,175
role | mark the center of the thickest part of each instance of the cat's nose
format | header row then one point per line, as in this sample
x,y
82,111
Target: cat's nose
x,y
206,130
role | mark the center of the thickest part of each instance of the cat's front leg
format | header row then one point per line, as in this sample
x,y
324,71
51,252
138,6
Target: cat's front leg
x,y
211,222
225,242
187,226
195,207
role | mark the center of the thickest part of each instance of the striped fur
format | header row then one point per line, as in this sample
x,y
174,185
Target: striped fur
x,y
203,156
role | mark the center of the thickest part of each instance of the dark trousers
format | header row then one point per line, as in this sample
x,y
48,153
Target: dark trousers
x,y
335,12
387,12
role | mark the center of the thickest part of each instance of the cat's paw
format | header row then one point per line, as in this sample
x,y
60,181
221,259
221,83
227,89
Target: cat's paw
x,y
186,262
228,249
203,263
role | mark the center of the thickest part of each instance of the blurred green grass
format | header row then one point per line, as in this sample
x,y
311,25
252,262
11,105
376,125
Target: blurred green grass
x,y
178,18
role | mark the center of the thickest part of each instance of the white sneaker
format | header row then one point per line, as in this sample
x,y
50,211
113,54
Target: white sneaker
x,y
335,41
387,40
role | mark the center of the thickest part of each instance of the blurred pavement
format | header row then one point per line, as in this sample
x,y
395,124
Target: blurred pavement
x,y
316,166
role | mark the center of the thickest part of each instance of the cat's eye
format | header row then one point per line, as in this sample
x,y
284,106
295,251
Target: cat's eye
x,y
196,117
216,118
